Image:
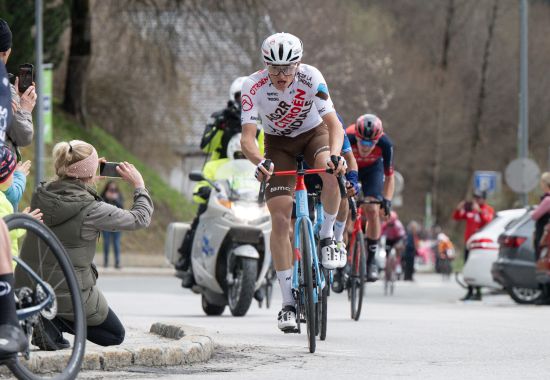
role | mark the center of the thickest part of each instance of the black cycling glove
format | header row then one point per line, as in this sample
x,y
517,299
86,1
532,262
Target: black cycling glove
x,y
386,206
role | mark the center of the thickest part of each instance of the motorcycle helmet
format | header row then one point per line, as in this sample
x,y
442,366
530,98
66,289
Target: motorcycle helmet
x,y
236,88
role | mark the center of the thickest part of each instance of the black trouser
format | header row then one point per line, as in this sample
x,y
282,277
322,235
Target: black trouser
x,y
408,268
470,288
187,243
109,333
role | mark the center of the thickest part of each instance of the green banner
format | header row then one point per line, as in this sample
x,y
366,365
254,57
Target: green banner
x,y
47,98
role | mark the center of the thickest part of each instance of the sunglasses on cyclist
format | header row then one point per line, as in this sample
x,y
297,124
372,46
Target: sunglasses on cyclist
x,y
367,143
285,69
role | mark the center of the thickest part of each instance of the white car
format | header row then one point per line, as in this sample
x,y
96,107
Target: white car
x,y
483,246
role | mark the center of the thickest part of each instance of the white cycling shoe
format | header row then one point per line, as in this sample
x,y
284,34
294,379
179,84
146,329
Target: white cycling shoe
x,y
287,319
330,255
343,254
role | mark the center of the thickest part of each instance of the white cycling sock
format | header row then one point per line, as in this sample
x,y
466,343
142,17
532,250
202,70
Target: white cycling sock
x,y
285,282
339,228
326,228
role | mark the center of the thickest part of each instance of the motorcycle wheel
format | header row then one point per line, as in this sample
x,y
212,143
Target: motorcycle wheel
x,y
241,292
211,309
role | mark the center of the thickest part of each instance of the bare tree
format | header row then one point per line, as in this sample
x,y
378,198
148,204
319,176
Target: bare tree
x,y
79,60
477,136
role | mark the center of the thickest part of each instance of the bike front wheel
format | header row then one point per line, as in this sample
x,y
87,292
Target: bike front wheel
x,y
41,279
357,276
306,283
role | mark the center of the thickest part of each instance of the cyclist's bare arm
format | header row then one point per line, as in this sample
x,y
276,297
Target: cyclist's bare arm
x,y
248,143
389,186
335,133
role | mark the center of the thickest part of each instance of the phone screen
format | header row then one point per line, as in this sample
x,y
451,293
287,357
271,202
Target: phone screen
x,y
26,77
108,169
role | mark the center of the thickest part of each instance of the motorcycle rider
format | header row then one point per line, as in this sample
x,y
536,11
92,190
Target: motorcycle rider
x,y
226,124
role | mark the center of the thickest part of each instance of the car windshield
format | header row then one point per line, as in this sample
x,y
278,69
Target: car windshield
x,y
516,222
237,179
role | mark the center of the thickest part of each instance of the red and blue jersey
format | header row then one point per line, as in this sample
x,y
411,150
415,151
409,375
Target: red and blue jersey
x,y
382,152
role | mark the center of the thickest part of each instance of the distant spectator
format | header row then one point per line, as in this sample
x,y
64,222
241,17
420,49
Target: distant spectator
x,y
477,213
411,248
542,213
112,195
76,214
21,129
445,253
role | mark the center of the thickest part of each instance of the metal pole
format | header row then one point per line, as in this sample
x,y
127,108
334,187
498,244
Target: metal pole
x,y
39,125
523,132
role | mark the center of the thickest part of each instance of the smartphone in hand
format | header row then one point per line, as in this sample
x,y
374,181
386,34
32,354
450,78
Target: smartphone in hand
x,y
26,77
108,169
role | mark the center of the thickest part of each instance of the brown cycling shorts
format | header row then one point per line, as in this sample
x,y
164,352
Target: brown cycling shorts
x,y
283,150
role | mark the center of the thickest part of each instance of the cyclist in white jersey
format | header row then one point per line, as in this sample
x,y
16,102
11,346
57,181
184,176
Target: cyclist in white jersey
x,y
292,102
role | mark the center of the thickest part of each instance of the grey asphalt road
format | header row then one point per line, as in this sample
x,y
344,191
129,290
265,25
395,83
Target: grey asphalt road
x,y
422,332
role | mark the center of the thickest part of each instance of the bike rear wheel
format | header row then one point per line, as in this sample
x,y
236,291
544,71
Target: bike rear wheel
x,y
306,284
323,306
47,267
357,276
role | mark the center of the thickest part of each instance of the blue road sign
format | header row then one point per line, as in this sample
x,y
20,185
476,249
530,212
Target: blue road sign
x,y
487,181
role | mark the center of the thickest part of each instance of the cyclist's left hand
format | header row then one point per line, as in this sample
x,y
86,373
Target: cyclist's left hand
x,y
338,164
386,206
353,183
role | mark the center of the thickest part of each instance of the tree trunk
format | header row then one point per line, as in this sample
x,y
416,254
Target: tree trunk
x,y
477,136
79,60
440,80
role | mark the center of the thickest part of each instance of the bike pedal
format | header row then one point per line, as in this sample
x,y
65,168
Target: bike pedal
x,y
291,331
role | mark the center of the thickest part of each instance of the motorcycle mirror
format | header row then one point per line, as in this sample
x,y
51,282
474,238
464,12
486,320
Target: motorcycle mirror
x,y
196,176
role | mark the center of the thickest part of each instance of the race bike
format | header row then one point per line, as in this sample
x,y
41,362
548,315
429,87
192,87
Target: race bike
x,y
230,251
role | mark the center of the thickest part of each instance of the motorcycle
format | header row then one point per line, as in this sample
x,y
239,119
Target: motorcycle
x,y
230,251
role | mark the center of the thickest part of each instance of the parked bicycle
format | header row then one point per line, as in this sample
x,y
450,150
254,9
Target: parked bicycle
x,y
36,291
308,280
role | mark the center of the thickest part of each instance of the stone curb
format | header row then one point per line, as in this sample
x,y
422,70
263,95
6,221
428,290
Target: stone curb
x,y
164,351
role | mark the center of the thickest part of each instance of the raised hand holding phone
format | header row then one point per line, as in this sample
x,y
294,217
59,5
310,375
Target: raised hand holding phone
x,y
130,174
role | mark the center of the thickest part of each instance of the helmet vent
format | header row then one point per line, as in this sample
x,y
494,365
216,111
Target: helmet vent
x,y
281,51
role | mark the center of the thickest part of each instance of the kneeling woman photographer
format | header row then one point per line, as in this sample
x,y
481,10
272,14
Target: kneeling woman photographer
x,y
76,214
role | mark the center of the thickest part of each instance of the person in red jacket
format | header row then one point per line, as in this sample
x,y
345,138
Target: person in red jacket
x,y
476,213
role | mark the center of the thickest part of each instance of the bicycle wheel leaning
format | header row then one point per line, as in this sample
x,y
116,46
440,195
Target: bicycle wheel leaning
x,y
357,276
40,281
306,284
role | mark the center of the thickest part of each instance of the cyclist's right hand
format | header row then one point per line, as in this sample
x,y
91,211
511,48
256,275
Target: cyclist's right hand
x,y
264,170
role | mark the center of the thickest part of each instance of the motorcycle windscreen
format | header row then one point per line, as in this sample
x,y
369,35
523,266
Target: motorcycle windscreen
x,y
237,178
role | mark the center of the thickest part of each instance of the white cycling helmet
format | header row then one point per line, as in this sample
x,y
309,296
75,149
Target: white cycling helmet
x,y
236,86
234,146
282,49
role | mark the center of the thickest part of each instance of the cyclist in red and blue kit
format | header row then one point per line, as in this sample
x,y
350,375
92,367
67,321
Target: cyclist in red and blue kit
x,y
373,151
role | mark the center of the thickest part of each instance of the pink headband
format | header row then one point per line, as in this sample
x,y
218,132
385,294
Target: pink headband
x,y
85,168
